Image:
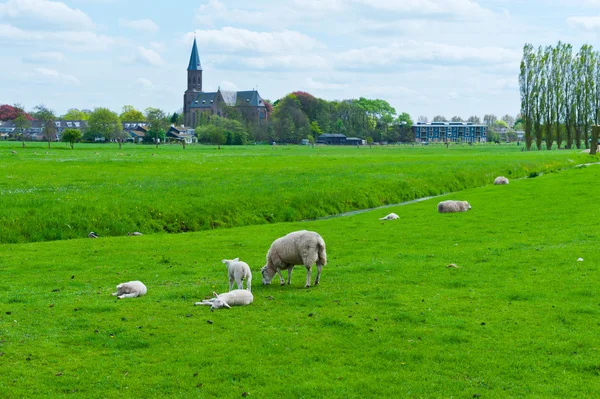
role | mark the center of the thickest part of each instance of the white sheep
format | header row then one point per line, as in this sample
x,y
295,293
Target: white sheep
x,y
130,289
238,271
228,299
500,180
453,206
297,248
391,216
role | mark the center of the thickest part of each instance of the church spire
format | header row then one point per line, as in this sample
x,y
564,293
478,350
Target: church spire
x,y
194,59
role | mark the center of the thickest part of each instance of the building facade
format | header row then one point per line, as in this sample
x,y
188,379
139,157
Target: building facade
x,y
442,132
197,102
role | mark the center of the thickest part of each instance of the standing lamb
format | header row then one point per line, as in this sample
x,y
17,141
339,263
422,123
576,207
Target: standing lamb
x,y
297,248
130,289
238,271
500,180
229,299
453,206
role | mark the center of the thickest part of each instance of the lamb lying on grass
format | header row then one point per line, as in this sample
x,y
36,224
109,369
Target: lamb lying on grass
x,y
130,289
228,299
297,248
500,180
238,271
391,216
453,206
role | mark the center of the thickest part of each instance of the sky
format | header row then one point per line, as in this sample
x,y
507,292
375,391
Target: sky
x,y
425,57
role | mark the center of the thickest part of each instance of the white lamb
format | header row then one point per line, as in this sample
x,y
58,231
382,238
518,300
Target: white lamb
x,y
130,289
500,180
297,248
453,206
391,216
238,271
228,299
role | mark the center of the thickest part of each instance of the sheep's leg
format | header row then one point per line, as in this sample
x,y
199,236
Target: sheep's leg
x,y
290,275
130,295
308,270
231,280
281,280
239,283
249,284
319,267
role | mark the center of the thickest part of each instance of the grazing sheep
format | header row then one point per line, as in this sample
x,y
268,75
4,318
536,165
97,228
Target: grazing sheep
x,y
501,180
391,216
297,248
135,233
92,235
228,299
238,271
13,152
453,206
130,289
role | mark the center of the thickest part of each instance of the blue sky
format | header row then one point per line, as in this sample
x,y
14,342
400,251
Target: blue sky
x,y
425,57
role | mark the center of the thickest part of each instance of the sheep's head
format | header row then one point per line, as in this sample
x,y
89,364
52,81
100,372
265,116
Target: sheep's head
x,y
468,205
267,274
228,262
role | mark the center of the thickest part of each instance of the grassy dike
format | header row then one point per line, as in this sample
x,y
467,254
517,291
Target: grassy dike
x,y
519,318
57,194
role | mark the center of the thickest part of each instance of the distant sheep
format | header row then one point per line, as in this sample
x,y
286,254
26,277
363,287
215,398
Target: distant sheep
x,y
13,152
391,216
130,289
501,180
297,248
228,299
135,233
453,206
238,271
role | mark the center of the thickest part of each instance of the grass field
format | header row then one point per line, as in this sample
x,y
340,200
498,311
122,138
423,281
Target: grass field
x,y
60,193
519,318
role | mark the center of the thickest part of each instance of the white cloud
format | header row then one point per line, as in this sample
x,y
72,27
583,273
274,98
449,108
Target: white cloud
x,y
44,57
145,83
207,14
142,25
586,23
47,74
81,41
397,54
44,13
236,40
286,62
148,56
461,8
313,84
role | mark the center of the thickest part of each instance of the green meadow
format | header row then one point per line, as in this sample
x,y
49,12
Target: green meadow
x,y
519,317
59,193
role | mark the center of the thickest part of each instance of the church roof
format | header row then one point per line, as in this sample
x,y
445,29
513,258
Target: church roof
x,y
204,100
249,98
194,59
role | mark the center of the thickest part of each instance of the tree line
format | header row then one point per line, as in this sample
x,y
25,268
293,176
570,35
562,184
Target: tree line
x,y
560,96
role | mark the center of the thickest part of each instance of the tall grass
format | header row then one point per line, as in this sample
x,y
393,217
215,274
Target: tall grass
x,y
66,193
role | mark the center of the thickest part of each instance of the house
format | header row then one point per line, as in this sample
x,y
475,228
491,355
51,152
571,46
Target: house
x,y
182,133
332,139
136,130
442,132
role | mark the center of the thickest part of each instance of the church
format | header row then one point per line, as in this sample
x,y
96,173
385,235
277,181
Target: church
x,y
195,101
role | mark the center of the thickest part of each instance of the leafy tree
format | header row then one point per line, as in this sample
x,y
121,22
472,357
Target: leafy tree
x,y
158,122
9,113
423,119
130,114
107,124
75,115
456,119
22,122
439,118
71,136
315,129
474,120
47,116
290,123
211,134
510,120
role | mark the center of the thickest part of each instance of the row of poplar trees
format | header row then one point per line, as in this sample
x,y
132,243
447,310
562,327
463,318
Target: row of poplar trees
x,y
560,95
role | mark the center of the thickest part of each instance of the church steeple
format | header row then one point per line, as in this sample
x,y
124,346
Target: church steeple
x,y
194,59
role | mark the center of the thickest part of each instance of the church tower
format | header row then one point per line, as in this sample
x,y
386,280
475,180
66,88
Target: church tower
x,y
194,85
